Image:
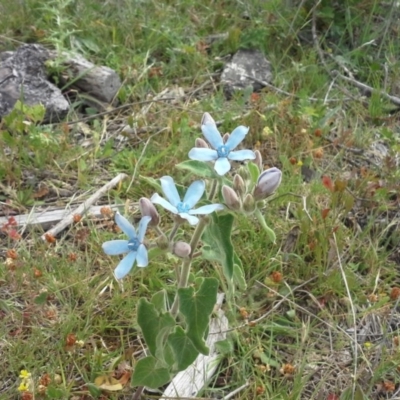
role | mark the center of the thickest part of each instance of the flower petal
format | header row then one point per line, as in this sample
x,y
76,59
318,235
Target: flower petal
x,y
157,199
125,265
211,133
208,209
201,154
190,218
241,155
125,226
170,191
142,227
114,247
222,166
237,135
194,193
142,257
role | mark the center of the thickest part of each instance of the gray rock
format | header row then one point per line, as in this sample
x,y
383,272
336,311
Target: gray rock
x,y
245,65
23,77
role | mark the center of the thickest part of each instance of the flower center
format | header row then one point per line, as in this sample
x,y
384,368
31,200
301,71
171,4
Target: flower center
x,y
133,244
223,151
182,208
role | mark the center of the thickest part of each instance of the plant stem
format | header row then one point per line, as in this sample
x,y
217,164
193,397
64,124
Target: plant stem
x,y
173,231
187,263
261,220
213,189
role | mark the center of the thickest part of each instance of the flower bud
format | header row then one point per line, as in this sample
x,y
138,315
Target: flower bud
x,y
162,242
238,185
258,160
249,204
231,198
267,183
244,173
201,143
207,119
147,209
181,249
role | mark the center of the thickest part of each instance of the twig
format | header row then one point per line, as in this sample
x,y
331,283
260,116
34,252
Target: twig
x,y
369,89
281,91
68,220
236,391
321,53
138,393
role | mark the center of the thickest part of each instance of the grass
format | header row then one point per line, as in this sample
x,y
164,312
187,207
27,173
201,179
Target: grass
x,y
325,297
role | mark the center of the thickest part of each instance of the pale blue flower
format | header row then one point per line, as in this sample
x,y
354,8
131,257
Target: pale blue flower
x,y
222,152
184,208
133,246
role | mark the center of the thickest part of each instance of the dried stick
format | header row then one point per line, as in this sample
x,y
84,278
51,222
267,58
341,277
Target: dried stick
x,y
68,220
369,89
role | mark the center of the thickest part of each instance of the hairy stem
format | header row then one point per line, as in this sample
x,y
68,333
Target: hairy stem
x,y
187,263
213,190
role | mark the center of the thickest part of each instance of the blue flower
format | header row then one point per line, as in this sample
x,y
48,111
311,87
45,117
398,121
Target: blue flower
x,y
184,208
133,246
222,152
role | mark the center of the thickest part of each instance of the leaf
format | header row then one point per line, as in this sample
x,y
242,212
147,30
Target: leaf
x,y
327,182
41,298
197,308
238,277
152,323
160,301
325,212
184,351
155,184
198,168
224,346
217,239
108,383
147,374
254,172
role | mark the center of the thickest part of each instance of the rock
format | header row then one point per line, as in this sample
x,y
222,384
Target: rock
x,y
23,77
246,64
100,82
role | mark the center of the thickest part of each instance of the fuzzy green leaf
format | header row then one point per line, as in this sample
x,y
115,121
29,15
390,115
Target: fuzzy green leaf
x,y
153,324
197,308
198,168
217,242
254,172
184,351
160,301
148,374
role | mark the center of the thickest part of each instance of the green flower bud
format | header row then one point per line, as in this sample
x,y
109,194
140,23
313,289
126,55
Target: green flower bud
x,y
244,173
249,204
163,242
231,198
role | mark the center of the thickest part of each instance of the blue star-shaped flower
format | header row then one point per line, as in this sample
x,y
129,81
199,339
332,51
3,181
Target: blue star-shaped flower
x,y
222,153
184,208
133,246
